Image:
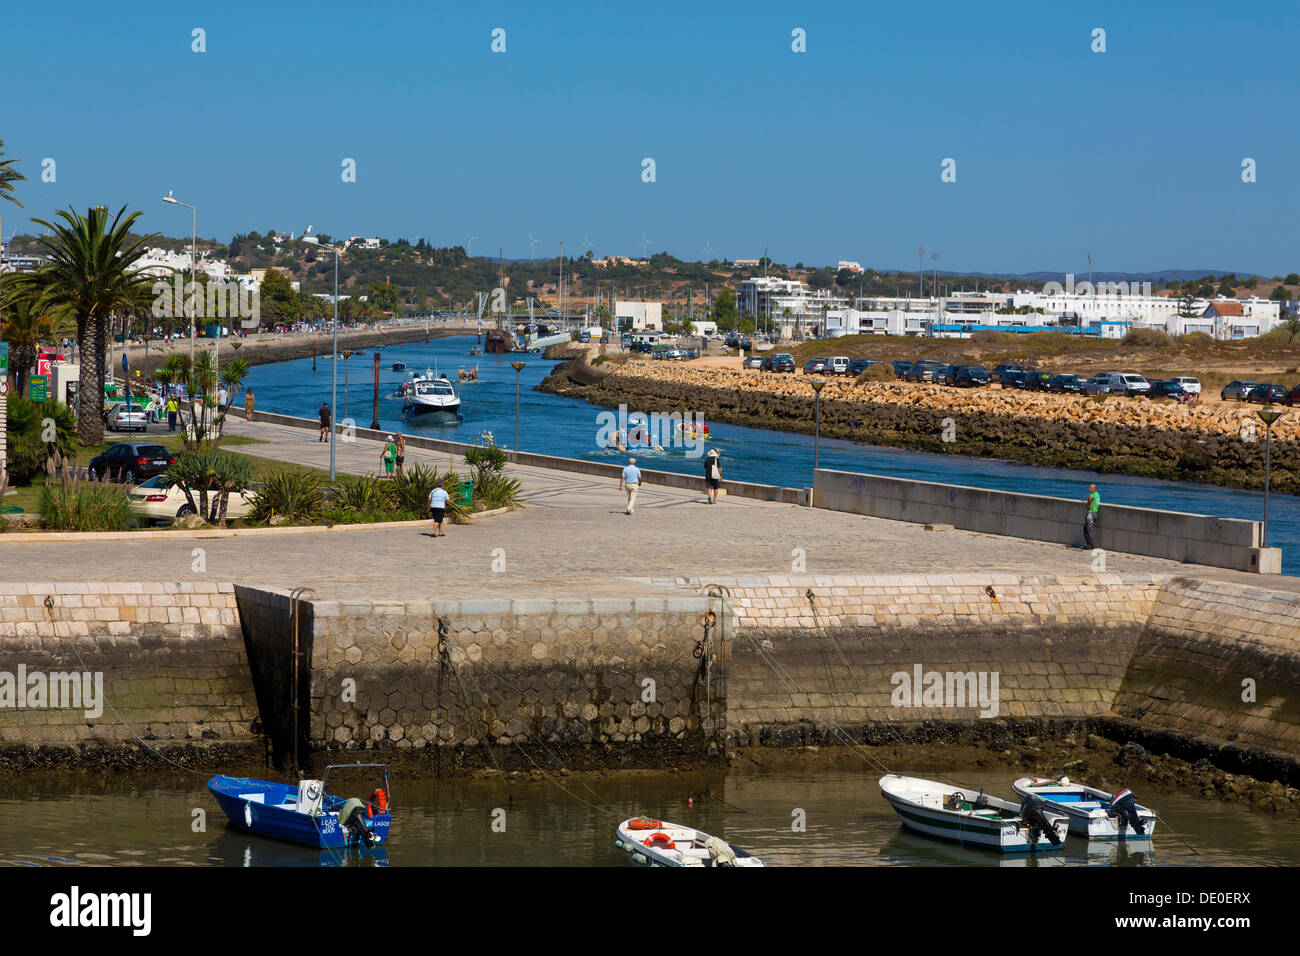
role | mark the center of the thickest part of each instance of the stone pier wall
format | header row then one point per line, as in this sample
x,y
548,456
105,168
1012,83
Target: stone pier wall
x,y
800,667
424,676
170,658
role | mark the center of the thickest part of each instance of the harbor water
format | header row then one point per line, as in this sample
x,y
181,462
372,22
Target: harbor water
x,y
556,425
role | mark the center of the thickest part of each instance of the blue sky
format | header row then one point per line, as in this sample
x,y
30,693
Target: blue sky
x,y
1133,154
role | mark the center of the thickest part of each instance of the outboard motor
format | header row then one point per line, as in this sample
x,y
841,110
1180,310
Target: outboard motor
x,y
1031,811
353,818
1124,806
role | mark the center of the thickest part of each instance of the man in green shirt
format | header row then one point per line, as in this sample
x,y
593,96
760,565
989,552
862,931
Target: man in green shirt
x,y
1090,519
389,457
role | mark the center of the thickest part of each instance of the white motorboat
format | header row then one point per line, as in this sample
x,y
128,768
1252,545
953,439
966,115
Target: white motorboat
x,y
1094,814
433,397
972,817
659,843
408,384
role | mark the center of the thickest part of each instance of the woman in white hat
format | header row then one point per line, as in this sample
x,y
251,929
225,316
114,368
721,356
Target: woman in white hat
x,y
389,457
712,476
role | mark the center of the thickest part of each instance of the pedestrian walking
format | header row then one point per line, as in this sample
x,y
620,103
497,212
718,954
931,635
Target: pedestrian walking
x,y
712,476
631,480
389,457
401,452
173,410
1090,517
438,506
324,416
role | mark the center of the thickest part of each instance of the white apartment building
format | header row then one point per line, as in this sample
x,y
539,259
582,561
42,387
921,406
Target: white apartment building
x,y
787,304
641,316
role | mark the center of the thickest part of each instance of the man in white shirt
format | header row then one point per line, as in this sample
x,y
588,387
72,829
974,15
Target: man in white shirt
x,y
631,479
438,505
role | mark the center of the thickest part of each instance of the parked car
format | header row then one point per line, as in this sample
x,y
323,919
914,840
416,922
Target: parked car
x,y
970,376
1099,384
123,417
1236,390
1293,396
814,366
1066,384
753,361
1012,378
901,368
1267,394
837,365
1128,383
778,362
1037,381
130,461
859,365
151,502
1169,389
922,371
1007,367
940,375
1192,386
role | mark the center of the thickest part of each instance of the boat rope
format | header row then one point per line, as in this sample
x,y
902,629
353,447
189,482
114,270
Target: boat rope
x,y
1175,833
50,610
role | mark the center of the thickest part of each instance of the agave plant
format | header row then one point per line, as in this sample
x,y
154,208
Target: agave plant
x,y
367,493
411,490
215,473
289,495
495,490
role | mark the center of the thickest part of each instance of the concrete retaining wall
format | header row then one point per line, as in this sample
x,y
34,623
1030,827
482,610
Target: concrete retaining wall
x,y
170,659
1199,539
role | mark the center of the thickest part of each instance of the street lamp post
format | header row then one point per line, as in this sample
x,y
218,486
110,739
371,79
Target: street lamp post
x,y
1268,416
346,355
817,386
194,261
518,367
334,351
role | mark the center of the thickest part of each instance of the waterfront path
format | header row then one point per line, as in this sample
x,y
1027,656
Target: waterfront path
x,y
571,539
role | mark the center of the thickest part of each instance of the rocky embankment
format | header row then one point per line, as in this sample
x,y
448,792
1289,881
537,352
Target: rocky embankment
x,y
1221,444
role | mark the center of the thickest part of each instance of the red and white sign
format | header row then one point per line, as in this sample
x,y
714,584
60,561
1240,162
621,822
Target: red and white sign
x,y
42,366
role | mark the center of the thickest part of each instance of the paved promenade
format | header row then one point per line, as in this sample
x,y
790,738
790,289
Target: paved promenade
x,y
571,539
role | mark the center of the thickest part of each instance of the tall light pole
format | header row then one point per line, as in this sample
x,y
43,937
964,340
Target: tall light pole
x,y
334,350
1268,416
817,386
194,259
518,367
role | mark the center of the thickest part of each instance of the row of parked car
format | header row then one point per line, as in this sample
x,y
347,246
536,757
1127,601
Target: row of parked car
x,y
1265,394
1182,388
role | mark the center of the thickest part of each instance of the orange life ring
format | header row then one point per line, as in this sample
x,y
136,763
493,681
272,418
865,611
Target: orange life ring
x,y
662,840
378,801
642,823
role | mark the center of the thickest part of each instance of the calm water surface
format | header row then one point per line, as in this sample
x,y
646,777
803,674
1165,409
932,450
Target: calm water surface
x,y
569,821
550,424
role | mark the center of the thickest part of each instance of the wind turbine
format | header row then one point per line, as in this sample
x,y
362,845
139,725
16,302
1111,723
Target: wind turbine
x,y
469,244
920,251
644,242
586,243
708,249
532,244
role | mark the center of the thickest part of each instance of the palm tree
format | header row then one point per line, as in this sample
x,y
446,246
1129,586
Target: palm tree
x,y
26,327
89,274
8,176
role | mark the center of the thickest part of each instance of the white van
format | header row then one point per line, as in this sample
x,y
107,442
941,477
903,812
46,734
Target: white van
x,y
837,365
1191,386
1128,383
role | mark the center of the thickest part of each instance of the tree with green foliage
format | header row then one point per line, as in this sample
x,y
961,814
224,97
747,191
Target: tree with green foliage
x,y
278,300
42,437
90,272
724,311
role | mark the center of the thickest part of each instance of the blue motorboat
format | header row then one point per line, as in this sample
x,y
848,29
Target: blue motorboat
x,y
306,813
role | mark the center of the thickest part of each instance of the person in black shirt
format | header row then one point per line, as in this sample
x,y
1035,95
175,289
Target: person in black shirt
x,y
324,421
712,475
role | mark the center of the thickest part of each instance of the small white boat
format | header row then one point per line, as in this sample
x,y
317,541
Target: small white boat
x,y
972,817
658,843
1094,814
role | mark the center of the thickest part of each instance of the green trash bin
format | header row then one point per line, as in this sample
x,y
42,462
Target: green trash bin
x,y
466,493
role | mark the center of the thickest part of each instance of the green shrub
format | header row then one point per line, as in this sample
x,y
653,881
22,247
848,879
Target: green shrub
x,y
486,457
1147,338
294,496
1197,339
368,493
71,505
492,489
342,514
27,451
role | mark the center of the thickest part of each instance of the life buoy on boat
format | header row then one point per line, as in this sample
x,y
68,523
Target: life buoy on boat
x,y
661,840
378,801
642,823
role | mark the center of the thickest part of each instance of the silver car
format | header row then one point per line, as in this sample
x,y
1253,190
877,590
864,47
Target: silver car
x,y
1099,384
1236,391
